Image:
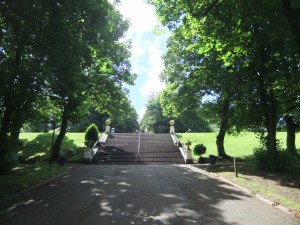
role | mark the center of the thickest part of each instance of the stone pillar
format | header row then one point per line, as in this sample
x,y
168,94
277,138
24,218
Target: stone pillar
x,y
107,126
172,128
189,158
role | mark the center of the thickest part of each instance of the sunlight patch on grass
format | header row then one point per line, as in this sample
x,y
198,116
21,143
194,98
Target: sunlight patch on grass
x,y
37,168
236,146
18,168
37,155
25,176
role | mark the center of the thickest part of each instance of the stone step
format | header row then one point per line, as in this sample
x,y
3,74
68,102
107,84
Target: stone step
x,y
123,148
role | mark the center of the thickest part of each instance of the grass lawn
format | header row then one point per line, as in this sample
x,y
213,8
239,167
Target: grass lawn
x,y
35,153
236,146
281,188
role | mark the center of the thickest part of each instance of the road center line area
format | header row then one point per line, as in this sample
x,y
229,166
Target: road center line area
x,y
138,194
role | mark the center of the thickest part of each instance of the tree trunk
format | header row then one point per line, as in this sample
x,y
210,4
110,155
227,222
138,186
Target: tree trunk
x,y
60,138
4,137
16,125
4,151
269,104
15,133
291,17
271,124
9,109
223,130
291,135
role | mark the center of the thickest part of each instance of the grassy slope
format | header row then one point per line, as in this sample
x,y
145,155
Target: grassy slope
x,y
258,182
36,150
237,146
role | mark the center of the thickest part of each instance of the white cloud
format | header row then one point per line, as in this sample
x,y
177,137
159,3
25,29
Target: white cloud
x,y
153,83
146,59
141,112
141,15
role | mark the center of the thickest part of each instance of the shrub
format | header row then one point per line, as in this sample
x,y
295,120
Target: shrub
x,y
92,133
199,149
10,157
275,161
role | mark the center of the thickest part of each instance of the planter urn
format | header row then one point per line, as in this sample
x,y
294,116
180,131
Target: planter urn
x,y
189,159
172,128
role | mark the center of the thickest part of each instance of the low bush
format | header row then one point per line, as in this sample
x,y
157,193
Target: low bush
x,y
275,161
199,149
91,133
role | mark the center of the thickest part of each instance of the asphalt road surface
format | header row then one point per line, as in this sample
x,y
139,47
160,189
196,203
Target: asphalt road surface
x,y
138,194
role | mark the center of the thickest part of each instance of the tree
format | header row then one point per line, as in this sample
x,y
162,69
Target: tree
x,y
293,18
215,45
62,54
155,120
22,70
84,49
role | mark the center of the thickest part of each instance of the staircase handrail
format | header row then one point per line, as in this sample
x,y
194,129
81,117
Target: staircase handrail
x,y
181,147
98,144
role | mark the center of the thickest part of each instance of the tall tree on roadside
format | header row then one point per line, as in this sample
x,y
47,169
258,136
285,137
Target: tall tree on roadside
x,y
49,49
293,17
249,44
84,49
22,69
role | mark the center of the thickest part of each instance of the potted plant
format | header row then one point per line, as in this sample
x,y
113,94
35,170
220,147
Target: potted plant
x,y
91,136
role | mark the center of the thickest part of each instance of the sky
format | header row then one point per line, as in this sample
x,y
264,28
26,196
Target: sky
x,y
147,50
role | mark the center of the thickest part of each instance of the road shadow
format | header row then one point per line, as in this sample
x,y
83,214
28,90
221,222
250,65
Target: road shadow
x,y
109,154
126,194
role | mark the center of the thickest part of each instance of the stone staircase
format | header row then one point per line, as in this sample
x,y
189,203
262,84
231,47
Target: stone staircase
x,y
138,149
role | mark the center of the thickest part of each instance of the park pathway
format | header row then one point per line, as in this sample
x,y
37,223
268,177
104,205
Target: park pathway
x,y
138,194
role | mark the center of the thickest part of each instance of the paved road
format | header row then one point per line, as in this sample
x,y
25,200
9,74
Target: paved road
x,y
138,194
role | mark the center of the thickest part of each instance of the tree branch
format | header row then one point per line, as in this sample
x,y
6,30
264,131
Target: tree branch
x,y
205,12
292,19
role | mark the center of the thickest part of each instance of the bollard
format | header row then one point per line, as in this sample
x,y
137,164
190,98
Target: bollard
x,y
235,169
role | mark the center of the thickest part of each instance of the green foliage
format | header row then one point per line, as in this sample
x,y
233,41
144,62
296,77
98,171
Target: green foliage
x,y
33,164
155,120
10,158
216,50
271,160
199,149
23,176
58,58
91,133
240,146
274,161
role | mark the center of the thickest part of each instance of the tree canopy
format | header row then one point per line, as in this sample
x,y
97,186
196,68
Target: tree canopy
x,y
243,57
156,121
58,59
